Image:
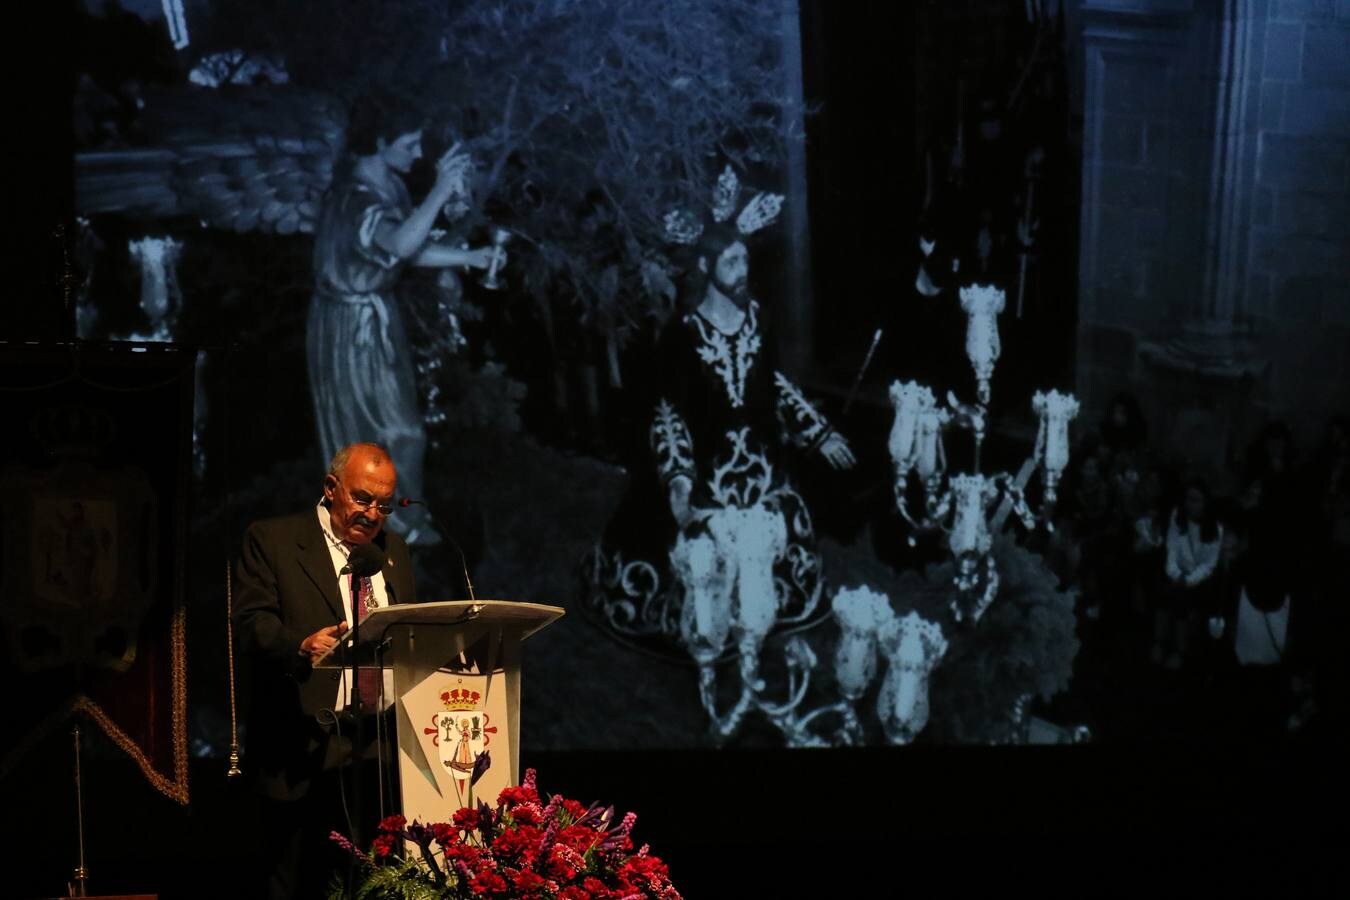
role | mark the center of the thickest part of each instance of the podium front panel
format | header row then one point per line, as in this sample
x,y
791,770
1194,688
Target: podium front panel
x,y
458,693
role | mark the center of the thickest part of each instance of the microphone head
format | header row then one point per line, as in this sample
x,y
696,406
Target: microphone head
x,y
406,502
365,560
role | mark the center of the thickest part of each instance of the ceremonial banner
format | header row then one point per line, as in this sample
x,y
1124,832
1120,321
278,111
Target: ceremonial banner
x,y
95,481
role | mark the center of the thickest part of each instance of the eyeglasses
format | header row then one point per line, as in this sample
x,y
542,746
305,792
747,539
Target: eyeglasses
x,y
364,501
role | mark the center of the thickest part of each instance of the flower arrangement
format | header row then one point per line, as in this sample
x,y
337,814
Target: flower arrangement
x,y
526,847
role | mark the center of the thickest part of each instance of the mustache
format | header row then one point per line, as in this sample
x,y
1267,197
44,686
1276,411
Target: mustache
x,y
362,520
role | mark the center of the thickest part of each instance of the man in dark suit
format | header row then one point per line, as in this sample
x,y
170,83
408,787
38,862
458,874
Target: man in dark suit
x,y
292,603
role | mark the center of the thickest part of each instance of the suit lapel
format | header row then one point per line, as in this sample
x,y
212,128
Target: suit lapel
x,y
393,575
397,568
318,565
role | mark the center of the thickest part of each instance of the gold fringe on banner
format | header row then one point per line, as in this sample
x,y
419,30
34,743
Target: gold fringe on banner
x,y
175,788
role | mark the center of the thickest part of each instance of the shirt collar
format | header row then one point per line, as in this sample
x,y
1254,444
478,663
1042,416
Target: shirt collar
x,y
326,523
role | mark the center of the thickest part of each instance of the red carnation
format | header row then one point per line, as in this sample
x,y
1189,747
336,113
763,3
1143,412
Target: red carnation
x,y
466,853
510,796
444,834
578,837
466,819
596,888
518,843
572,892
383,845
486,882
564,862
644,868
527,882
393,824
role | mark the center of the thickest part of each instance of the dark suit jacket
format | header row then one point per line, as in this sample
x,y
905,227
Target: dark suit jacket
x,y
285,590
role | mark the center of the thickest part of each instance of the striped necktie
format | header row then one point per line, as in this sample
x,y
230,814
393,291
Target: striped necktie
x,y
369,679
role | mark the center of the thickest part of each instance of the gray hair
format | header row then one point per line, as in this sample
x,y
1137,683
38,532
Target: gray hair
x,y
340,459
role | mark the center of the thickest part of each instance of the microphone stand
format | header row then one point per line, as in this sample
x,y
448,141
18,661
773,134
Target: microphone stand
x,y
354,707
405,502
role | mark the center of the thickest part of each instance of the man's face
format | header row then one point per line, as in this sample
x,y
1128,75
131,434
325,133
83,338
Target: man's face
x,y
405,150
730,274
368,482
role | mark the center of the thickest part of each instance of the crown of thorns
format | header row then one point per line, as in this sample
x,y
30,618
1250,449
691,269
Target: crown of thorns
x,y
686,227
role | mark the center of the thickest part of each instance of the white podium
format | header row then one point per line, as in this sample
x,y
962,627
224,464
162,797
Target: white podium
x,y
456,677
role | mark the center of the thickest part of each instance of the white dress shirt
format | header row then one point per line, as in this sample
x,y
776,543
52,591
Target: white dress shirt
x,y
338,552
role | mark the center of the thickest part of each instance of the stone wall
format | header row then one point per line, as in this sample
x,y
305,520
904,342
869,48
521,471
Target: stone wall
x,y
1212,270
1298,291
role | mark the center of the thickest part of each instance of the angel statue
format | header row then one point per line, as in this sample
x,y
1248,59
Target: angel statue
x,y
360,365
285,161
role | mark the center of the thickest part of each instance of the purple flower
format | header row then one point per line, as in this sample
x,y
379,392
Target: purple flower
x,y
487,822
551,829
422,836
614,837
595,816
481,763
347,845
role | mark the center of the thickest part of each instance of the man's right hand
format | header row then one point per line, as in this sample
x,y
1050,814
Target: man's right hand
x,y
321,641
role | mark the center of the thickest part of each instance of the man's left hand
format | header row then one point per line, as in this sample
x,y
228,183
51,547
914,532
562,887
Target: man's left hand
x,y
837,452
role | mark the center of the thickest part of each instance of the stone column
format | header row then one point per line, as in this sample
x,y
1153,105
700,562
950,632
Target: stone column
x,y
1168,160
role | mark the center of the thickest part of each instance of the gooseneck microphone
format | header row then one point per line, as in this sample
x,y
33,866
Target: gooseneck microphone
x,y
404,503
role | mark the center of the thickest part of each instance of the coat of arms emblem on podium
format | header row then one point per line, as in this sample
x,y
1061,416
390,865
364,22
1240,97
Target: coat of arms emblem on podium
x,y
462,730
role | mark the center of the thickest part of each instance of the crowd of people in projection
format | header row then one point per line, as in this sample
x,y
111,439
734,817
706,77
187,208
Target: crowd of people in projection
x,y
1232,598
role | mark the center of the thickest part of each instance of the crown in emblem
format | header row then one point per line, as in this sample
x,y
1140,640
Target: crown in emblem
x,y
458,700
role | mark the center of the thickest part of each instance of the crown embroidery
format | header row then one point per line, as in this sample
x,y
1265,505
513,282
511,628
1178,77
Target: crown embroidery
x,y
458,700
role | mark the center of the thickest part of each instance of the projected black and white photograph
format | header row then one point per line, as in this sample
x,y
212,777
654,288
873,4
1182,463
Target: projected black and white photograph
x,y
927,378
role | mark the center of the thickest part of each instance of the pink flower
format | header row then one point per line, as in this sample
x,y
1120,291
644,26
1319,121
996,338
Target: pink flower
x,y
347,845
527,813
